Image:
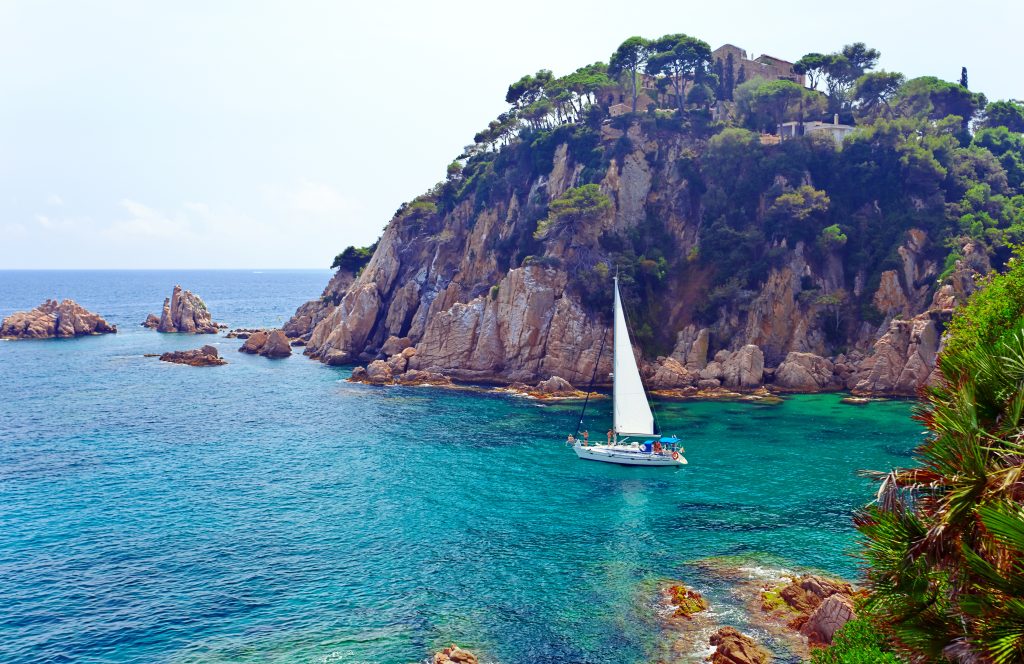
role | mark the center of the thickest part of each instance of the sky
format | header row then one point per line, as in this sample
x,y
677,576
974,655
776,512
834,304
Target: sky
x,y
274,134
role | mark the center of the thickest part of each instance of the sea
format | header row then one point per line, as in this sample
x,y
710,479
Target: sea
x,y
270,511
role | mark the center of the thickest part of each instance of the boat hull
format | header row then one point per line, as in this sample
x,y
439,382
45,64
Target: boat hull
x,y
625,455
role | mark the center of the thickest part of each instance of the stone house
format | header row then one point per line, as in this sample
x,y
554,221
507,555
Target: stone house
x,y
837,131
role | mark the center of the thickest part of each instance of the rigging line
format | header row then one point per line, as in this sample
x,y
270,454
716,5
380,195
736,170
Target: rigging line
x,y
590,389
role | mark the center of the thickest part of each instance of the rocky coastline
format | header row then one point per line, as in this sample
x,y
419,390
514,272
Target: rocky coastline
x,y
451,285
54,320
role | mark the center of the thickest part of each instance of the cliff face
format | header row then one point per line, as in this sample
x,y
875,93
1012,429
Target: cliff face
x,y
481,299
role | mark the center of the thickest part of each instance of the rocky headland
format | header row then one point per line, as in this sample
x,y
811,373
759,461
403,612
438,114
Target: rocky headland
x,y
52,320
207,356
184,312
473,285
454,655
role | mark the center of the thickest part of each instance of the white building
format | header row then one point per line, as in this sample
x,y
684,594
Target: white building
x,y
837,131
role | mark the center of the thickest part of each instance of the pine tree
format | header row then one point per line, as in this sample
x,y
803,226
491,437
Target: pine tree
x,y
730,76
741,77
963,76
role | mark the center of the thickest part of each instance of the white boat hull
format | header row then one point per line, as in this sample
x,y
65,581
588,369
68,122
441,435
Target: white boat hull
x,y
627,455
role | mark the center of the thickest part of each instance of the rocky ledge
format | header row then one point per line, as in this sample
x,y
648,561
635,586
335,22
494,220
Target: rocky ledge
x,y
552,389
692,627
268,343
206,356
52,320
183,312
454,655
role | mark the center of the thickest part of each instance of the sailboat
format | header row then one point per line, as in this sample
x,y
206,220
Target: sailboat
x,y
633,440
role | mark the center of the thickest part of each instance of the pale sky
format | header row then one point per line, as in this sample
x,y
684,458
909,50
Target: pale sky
x,y
273,134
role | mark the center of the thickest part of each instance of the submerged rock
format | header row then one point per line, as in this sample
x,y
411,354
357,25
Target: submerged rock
x,y
184,312
206,356
54,320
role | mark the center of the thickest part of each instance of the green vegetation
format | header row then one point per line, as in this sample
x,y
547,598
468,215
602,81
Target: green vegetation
x,y
945,539
571,210
859,641
353,259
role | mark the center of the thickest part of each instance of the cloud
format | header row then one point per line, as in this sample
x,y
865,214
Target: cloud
x,y
55,200
149,222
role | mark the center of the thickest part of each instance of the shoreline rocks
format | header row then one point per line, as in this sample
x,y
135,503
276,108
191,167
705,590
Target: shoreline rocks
x,y
183,312
207,356
53,320
552,389
734,647
454,655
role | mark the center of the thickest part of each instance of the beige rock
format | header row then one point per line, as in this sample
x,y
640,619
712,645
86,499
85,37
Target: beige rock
x,y
454,655
833,612
744,368
254,342
276,345
395,345
668,373
902,359
206,356
379,373
805,372
152,322
732,647
889,298
184,312
52,320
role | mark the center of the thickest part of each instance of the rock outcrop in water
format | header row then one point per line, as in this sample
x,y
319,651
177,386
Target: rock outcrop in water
x,y
206,356
454,655
734,647
482,298
183,312
54,320
268,343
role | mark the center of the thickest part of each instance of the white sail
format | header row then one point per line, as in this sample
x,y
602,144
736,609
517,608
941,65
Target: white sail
x,y
631,411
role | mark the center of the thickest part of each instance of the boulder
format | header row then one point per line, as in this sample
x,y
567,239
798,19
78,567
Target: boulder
x,y
743,368
254,342
395,345
833,612
414,377
379,373
804,372
206,356
732,647
276,346
268,343
54,320
152,322
902,360
669,373
454,655
184,312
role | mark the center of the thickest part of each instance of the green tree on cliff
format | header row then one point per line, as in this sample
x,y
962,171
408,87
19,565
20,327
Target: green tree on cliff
x,y
630,59
945,539
682,59
575,208
812,66
873,92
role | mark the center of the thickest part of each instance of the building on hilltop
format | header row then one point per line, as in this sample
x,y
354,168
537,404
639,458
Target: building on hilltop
x,y
658,92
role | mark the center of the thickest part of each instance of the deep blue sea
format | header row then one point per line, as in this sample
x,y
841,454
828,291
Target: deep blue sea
x,y
268,511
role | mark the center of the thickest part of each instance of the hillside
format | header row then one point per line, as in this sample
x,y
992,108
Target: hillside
x,y
807,262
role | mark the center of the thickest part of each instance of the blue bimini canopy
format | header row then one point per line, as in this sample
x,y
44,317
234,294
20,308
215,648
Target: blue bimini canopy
x,y
669,439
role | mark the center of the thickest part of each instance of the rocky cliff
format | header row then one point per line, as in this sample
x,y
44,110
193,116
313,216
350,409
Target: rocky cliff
x,y
484,293
54,320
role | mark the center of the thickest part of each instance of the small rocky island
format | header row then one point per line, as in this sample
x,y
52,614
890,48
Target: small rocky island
x,y
53,320
183,312
207,356
268,343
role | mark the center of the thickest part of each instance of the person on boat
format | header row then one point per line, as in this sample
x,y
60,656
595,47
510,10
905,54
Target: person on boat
x,y
657,447
586,437
570,440
609,436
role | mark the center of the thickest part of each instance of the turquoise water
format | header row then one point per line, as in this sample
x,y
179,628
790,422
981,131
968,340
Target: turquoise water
x,y
269,511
